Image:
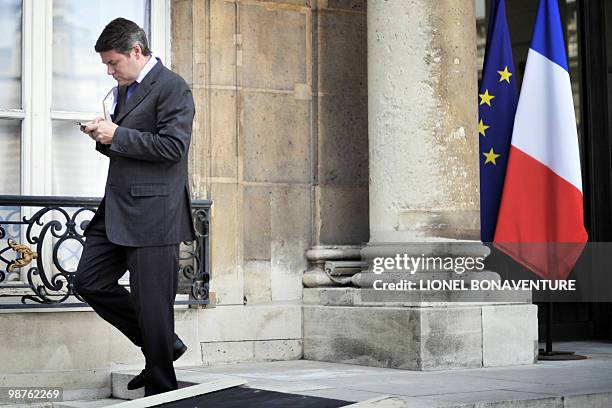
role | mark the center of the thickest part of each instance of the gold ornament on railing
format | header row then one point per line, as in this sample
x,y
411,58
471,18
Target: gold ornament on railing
x,y
27,255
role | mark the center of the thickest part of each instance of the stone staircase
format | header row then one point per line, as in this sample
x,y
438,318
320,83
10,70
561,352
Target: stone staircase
x,y
576,384
555,384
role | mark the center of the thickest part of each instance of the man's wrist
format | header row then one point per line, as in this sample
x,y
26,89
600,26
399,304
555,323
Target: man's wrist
x,y
116,142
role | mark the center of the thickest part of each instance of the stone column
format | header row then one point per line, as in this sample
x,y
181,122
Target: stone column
x,y
423,197
339,142
422,117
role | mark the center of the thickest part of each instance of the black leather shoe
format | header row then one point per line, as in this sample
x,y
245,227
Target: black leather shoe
x,y
179,348
139,381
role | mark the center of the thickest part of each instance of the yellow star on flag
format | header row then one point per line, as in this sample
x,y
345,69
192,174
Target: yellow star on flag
x,y
504,75
491,156
482,128
486,98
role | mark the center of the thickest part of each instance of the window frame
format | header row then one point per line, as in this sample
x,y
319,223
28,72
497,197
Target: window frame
x,y
35,114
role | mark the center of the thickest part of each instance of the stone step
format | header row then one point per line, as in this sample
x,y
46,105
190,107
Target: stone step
x,y
184,377
98,403
193,390
121,394
120,379
597,400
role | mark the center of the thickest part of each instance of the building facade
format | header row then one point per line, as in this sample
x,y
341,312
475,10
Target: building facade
x,y
325,131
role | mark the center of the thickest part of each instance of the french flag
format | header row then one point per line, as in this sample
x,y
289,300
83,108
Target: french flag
x,y
541,218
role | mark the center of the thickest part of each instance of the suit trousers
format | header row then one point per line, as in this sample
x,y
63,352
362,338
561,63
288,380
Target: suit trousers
x,y
145,314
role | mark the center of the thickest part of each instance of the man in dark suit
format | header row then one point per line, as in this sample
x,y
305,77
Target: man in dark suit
x,y
145,213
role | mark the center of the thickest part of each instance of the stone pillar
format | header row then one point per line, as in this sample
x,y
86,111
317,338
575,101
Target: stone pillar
x,y
339,142
422,117
423,197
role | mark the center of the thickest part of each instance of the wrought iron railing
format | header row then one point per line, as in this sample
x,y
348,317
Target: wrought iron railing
x,y
40,242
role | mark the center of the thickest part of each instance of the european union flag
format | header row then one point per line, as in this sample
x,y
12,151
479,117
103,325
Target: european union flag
x,y
497,106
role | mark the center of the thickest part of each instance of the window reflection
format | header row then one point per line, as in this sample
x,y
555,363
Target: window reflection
x,y
11,231
80,83
78,169
573,55
481,35
79,78
10,54
10,156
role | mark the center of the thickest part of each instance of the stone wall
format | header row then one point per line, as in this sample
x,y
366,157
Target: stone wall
x,y
280,146
341,179
280,137
79,350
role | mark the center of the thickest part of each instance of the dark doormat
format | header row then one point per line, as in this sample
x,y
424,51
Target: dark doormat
x,y
241,397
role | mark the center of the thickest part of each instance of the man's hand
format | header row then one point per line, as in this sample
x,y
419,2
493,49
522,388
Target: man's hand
x,y
101,130
88,130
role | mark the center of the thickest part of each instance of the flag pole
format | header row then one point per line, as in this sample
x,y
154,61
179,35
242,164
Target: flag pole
x,y
548,354
542,199
549,323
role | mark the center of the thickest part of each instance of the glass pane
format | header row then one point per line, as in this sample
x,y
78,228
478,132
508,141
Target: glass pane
x,y
10,54
573,56
10,156
77,168
80,81
481,9
9,231
481,35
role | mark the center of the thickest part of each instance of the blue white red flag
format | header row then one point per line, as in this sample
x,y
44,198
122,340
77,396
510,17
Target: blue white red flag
x,y
541,217
496,108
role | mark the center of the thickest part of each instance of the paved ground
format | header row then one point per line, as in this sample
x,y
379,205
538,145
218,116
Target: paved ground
x,y
559,384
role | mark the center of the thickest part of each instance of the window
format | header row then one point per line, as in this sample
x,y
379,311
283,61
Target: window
x,y
11,114
51,78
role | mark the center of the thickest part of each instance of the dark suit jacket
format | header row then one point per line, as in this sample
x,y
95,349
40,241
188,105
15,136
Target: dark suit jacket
x,y
146,199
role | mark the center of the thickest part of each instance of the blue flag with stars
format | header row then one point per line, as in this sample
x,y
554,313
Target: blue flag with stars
x,y
497,102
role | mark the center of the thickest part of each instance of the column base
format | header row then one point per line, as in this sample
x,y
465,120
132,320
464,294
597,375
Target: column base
x,y
427,336
320,273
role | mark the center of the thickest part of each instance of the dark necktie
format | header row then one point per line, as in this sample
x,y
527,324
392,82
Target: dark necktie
x,y
130,90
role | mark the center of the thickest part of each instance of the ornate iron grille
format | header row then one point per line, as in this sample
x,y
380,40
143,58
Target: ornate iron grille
x,y
40,242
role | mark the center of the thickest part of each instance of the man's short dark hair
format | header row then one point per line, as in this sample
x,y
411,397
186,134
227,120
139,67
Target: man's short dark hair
x,y
122,35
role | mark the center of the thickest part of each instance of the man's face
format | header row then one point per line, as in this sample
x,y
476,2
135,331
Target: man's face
x,y
124,68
